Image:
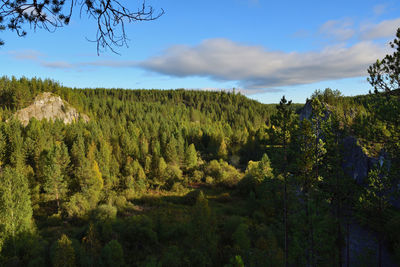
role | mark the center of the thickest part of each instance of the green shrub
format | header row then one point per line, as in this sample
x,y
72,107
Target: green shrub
x,y
105,212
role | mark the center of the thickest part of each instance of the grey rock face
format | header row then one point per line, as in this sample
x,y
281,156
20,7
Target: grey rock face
x,y
51,107
306,111
355,163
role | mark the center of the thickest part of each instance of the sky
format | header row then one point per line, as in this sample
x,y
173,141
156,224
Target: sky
x,y
263,49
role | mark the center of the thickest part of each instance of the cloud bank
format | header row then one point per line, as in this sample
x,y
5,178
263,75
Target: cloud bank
x,y
256,67
384,29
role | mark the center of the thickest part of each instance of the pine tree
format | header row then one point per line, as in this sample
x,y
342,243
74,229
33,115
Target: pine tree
x,y
160,172
336,185
88,181
259,170
92,246
235,262
385,74
15,204
171,154
64,254
113,254
310,151
14,152
283,120
222,149
2,148
191,157
104,159
203,237
54,185
376,196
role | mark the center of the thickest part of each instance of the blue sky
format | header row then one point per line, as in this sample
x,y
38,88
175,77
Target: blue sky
x,y
265,49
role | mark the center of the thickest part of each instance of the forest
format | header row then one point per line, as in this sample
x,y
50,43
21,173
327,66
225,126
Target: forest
x,y
196,178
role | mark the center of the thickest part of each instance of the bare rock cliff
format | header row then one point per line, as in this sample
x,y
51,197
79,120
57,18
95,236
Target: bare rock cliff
x,y
51,107
356,163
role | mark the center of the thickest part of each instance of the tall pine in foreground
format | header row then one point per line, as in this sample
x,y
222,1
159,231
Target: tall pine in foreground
x,y
310,150
282,120
335,182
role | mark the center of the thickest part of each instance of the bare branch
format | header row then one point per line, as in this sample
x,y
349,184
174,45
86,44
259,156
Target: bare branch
x,y
111,17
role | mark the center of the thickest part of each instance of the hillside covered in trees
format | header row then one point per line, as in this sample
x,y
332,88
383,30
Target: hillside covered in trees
x,y
192,178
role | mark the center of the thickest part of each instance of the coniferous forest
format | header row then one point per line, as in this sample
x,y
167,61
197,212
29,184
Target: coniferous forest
x,y
193,178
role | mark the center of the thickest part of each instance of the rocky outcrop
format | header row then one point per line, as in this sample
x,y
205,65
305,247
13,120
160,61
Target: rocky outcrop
x,y
306,111
51,107
356,163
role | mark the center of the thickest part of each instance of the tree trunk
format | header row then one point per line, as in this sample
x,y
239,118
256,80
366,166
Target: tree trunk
x,y
286,223
348,243
339,237
380,233
380,252
308,255
312,241
338,209
58,201
285,206
316,181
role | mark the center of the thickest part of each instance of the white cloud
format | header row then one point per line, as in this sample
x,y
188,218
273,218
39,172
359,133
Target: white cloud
x,y
340,30
384,29
255,67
